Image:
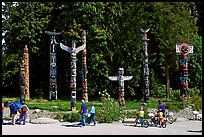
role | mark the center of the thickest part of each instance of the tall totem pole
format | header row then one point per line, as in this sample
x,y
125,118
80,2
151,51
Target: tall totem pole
x,y
120,79
24,76
84,70
145,66
53,66
183,50
73,51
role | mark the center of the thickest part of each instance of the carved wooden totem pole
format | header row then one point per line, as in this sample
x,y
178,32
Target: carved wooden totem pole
x,y
22,81
183,50
84,70
145,66
53,66
24,76
73,51
120,79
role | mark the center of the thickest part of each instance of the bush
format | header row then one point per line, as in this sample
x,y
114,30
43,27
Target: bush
x,y
72,117
159,91
110,110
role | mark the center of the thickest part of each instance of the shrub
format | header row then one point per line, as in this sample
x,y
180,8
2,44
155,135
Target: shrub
x,y
110,110
72,117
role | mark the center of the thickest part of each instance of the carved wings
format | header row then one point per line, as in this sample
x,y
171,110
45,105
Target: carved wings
x,y
65,48
113,78
80,48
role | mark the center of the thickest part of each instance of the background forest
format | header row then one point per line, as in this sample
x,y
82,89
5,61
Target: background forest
x,y
114,40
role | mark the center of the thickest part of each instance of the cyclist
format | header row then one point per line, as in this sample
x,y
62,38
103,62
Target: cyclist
x,y
140,114
162,107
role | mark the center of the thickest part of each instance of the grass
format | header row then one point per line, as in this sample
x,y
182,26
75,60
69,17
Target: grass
x,y
64,105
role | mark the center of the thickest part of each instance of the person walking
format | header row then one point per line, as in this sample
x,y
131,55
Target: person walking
x,y
92,112
84,113
2,113
23,113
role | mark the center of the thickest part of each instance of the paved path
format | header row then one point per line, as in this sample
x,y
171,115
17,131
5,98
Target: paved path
x,y
182,127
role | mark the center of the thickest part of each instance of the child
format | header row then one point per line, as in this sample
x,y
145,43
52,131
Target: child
x,y
160,116
23,113
140,114
92,114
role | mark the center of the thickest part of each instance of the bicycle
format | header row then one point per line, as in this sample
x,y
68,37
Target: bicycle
x,y
155,120
143,122
169,117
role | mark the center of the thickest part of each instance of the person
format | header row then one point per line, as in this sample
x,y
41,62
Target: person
x,y
13,114
92,112
162,107
2,113
160,116
84,113
140,114
23,113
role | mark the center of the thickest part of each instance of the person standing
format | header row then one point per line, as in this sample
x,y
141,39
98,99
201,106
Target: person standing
x,y
2,113
92,114
23,113
141,115
161,107
84,113
13,114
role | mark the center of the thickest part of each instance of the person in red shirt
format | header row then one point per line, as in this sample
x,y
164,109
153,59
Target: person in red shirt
x,y
2,113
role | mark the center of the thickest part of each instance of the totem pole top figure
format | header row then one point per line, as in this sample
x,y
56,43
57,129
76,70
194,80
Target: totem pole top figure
x,y
53,40
73,49
144,36
119,77
184,49
26,49
84,36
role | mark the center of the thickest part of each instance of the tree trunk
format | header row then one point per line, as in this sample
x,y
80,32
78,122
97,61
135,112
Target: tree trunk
x,y
167,81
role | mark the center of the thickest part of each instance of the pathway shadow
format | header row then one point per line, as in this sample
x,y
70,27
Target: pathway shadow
x,y
72,125
8,123
132,125
199,131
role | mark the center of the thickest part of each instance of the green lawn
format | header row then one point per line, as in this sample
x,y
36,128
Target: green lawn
x,y
64,105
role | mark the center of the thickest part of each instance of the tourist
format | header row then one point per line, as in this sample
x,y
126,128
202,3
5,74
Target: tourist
x,y
161,107
23,113
140,115
13,114
92,114
2,113
84,113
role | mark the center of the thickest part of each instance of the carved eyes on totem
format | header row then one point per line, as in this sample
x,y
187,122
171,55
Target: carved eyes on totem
x,y
185,48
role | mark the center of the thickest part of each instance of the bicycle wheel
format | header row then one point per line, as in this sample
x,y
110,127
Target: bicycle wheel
x,y
164,124
146,123
169,119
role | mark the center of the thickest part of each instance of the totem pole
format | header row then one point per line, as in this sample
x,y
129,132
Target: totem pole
x,y
22,81
24,76
26,61
145,66
53,66
120,79
84,69
183,50
73,51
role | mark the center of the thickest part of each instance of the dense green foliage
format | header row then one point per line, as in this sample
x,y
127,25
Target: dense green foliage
x,y
113,41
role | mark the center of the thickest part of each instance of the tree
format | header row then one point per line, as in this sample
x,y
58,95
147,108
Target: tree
x,y
167,22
